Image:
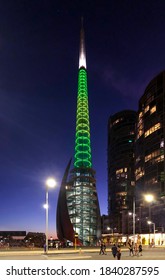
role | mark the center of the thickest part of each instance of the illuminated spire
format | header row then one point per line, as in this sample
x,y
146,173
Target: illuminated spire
x,y
82,54
82,146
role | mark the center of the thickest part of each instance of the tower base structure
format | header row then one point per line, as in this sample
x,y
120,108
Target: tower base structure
x,y
78,214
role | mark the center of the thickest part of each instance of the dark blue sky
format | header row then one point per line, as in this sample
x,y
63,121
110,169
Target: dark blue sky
x,y
39,48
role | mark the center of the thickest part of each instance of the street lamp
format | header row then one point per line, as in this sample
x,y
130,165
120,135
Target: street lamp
x,y
108,228
134,218
149,198
149,222
133,214
128,222
50,183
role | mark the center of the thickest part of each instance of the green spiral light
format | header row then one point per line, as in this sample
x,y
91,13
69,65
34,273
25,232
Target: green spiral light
x,y
82,156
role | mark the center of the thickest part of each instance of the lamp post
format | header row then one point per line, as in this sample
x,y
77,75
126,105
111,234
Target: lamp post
x,y
149,198
112,230
50,183
149,222
129,215
134,218
133,214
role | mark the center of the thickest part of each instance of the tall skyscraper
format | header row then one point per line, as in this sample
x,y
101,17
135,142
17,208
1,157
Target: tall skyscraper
x,y
121,180
78,207
149,156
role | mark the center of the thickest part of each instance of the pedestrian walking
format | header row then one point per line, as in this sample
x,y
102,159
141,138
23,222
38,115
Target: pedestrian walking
x,y
45,248
114,250
104,249
140,249
136,250
130,246
118,252
101,249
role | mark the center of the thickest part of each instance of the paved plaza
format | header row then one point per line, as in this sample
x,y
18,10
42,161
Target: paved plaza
x,y
157,253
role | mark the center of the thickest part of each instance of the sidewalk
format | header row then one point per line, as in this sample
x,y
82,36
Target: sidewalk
x,y
36,251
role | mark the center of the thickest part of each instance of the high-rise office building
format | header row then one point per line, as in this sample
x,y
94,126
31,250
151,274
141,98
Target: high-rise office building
x,y
149,156
121,181
78,207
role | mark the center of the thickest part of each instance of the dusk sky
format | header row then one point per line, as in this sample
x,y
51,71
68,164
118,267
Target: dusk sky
x,y
39,49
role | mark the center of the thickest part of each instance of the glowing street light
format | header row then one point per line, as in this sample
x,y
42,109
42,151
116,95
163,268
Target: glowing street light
x,y
50,183
149,197
109,228
134,214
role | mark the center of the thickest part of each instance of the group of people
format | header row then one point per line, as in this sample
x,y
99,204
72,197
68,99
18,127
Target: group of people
x,y
135,249
116,250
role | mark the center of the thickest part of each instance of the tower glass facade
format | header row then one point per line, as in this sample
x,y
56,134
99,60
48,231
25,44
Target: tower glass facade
x,y
83,204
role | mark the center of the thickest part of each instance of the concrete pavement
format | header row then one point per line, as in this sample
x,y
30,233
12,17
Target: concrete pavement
x,y
157,253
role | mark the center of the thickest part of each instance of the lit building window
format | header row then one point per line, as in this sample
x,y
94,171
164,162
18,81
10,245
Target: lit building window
x,y
119,171
152,129
140,132
140,126
147,158
162,144
146,109
140,115
155,157
152,110
139,172
117,121
138,159
122,170
152,155
159,159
